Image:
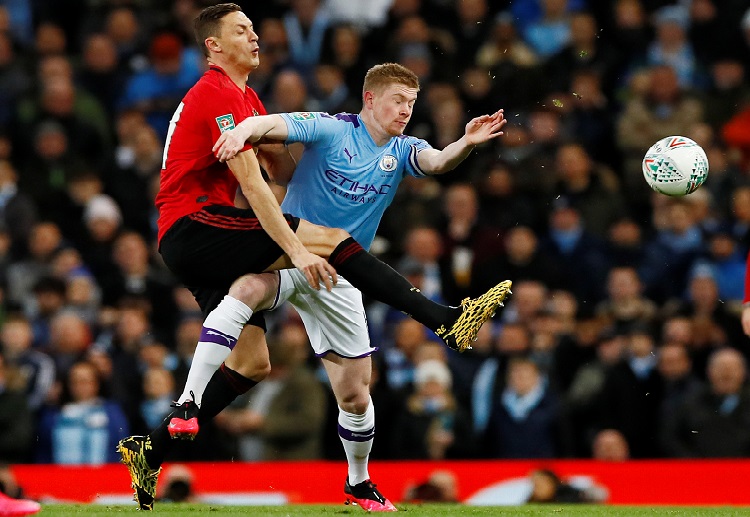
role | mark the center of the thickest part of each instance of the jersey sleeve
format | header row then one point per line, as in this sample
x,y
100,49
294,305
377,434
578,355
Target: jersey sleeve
x,y
312,127
412,147
222,112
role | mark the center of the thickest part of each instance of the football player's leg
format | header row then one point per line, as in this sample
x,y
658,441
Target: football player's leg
x,y
350,381
374,278
222,328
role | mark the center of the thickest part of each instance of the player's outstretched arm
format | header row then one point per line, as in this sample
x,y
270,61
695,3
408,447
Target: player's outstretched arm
x,y
252,128
246,168
478,131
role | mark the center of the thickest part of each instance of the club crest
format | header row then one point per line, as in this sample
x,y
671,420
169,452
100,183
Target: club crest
x,y
388,163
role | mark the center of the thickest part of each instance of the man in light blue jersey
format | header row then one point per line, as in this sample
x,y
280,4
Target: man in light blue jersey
x,y
346,178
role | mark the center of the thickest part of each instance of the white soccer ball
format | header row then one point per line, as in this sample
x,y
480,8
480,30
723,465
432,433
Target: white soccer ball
x,y
675,166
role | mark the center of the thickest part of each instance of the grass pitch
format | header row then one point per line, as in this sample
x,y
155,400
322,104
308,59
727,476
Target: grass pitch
x,y
407,510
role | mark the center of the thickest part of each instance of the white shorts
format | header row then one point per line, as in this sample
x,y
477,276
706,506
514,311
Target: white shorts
x,y
335,321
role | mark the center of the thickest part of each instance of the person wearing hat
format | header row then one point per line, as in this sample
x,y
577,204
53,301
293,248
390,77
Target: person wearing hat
x,y
432,425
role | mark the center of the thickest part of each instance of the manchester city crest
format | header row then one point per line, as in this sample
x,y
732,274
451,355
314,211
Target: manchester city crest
x,y
388,163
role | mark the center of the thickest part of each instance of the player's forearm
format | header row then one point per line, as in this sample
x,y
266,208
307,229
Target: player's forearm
x,y
440,162
263,202
269,126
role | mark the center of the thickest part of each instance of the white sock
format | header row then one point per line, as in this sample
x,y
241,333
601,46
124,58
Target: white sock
x,y
356,433
220,332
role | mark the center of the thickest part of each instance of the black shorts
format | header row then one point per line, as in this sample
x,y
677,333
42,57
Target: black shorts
x,y
208,250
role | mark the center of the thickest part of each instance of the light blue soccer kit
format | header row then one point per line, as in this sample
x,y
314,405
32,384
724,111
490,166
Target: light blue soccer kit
x,y
344,180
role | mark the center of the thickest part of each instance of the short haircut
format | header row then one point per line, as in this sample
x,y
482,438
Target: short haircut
x,y
208,22
381,76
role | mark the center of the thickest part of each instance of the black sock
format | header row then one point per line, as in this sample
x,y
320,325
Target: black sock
x,y
160,444
381,282
225,386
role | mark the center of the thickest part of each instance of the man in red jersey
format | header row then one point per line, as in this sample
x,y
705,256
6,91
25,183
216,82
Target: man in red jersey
x,y
211,245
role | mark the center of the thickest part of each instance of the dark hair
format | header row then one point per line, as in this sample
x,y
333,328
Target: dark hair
x,y
208,22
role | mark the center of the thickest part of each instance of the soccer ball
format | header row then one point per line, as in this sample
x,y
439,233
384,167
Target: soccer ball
x,y
675,166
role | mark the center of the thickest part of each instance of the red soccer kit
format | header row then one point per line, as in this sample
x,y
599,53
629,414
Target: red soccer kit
x,y
191,176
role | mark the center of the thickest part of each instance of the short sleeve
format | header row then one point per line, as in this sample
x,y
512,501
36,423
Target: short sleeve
x,y
413,146
312,127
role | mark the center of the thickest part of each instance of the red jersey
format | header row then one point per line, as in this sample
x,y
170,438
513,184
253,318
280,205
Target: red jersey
x,y
191,176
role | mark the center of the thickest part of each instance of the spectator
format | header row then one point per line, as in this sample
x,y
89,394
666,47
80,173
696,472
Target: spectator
x,y
710,424
551,31
35,368
158,392
157,90
432,422
440,487
664,109
136,277
16,422
525,417
590,188
306,24
680,239
522,261
85,429
582,400
101,72
672,47
585,50
675,367
631,395
581,254
625,304
18,213
282,419
610,445
468,241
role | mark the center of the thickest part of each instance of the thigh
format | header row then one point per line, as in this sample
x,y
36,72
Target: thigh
x,y
320,240
214,247
335,320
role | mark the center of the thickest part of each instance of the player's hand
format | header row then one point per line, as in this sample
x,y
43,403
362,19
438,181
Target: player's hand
x,y
229,144
485,127
746,320
316,269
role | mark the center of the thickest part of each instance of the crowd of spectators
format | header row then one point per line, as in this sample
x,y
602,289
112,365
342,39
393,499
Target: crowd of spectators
x,y
622,339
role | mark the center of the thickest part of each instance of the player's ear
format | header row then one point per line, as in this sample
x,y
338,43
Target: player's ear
x,y
212,45
368,97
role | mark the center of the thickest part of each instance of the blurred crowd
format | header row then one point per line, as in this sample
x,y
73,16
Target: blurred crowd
x,y
622,339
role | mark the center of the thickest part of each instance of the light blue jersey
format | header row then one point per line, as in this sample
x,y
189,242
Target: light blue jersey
x,y
344,180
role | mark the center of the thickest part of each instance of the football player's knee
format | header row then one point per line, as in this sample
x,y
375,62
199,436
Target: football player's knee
x,y
336,236
250,290
355,401
261,370
255,367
